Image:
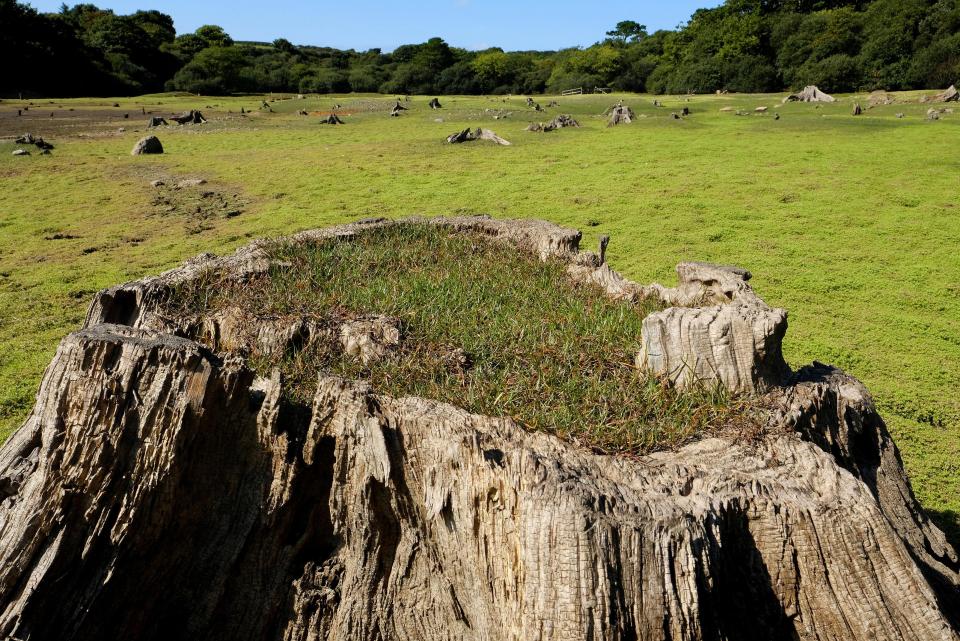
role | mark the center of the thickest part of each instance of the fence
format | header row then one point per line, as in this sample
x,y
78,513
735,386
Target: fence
x,y
579,91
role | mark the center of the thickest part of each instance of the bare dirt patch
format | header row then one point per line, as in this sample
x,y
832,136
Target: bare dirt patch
x,y
51,121
198,203
54,120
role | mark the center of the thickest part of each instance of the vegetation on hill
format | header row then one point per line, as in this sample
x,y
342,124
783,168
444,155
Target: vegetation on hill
x,y
484,326
742,46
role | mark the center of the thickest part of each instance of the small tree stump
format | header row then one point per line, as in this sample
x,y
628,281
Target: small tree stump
x,y
479,134
461,136
192,117
621,114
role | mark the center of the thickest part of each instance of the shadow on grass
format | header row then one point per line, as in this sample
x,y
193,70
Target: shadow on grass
x,y
949,522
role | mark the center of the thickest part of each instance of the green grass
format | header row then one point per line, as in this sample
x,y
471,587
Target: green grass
x,y
852,224
488,328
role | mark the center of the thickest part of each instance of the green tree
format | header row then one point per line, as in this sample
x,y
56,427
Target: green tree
x,y
938,65
628,30
492,67
839,72
46,55
284,45
213,36
156,27
461,78
215,71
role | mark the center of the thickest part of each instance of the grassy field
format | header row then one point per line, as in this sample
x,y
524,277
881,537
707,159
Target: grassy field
x,y
851,223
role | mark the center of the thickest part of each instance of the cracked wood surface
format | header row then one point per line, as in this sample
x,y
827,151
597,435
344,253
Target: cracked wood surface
x,y
160,491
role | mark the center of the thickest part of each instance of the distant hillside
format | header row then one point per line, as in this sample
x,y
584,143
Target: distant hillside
x,y
743,45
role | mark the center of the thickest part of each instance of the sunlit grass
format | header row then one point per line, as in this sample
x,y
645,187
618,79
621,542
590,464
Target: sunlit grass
x,y
487,328
852,224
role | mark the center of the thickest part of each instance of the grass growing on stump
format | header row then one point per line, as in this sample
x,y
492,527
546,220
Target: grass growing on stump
x,y
552,355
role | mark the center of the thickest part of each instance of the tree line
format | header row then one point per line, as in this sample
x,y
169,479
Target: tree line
x,y
740,46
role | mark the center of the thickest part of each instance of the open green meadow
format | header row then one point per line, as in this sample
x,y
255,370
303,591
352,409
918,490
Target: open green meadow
x,y
850,223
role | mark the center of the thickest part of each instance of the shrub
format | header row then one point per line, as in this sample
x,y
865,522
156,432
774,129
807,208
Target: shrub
x,y
837,73
938,65
214,71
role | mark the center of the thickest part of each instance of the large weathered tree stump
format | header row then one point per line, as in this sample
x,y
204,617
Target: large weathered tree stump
x,y
159,490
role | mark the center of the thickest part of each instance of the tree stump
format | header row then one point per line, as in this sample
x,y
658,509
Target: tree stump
x,y
621,114
560,122
479,134
353,514
602,250
192,117
950,95
461,136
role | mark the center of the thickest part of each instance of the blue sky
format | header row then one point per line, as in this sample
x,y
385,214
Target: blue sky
x,y
358,24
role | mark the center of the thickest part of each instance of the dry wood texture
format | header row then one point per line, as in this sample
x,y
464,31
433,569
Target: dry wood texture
x,y
160,491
